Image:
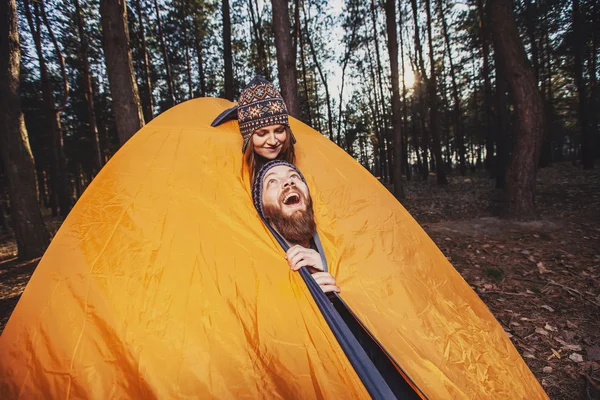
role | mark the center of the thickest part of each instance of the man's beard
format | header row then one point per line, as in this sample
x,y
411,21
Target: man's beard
x,y
298,227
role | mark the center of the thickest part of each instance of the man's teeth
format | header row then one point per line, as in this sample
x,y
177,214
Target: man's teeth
x,y
289,197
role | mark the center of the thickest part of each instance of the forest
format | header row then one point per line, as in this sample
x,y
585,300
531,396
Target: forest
x,y
412,90
423,93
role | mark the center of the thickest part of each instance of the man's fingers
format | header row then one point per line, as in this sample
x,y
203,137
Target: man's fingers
x,y
330,288
316,264
292,251
312,257
300,264
324,278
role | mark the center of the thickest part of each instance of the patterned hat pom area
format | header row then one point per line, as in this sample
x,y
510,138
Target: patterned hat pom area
x,y
257,188
260,105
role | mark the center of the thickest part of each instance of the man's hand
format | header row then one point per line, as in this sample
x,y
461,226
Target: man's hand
x,y
326,281
298,257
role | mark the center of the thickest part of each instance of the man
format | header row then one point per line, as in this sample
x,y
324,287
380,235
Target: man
x,y
282,199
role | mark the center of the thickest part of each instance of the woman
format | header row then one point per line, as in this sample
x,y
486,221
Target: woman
x,y
263,120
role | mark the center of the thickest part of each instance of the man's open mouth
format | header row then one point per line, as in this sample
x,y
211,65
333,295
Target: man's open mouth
x,y
291,199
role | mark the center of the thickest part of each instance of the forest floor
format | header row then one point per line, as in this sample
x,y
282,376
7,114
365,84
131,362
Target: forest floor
x,y
540,279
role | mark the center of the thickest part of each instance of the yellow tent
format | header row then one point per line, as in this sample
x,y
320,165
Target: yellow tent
x,y
164,283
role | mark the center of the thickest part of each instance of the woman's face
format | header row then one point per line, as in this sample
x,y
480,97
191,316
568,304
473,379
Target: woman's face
x,y
268,140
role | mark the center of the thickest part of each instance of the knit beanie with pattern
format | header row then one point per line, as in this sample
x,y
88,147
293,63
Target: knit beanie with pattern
x,y
260,105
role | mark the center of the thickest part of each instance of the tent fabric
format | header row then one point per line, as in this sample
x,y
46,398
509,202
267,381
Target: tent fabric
x,y
163,282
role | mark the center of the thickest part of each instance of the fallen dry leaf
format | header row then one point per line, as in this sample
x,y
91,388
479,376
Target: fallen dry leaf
x,y
547,307
576,357
541,331
549,327
555,353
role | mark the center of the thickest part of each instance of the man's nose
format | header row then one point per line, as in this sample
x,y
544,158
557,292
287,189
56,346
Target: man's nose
x,y
289,183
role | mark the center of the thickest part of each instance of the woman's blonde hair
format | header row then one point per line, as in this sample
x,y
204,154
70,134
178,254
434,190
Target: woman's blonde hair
x,y
254,162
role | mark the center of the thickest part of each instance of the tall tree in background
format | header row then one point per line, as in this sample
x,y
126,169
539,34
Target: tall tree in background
x,y
188,67
147,100
579,42
62,195
319,67
487,88
352,24
19,167
227,51
286,57
520,76
259,44
170,100
422,73
405,164
123,88
502,115
88,93
593,70
459,133
436,143
385,131
199,18
390,19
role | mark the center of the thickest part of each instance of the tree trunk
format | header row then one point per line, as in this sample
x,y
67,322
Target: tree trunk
x,y
502,115
323,80
546,77
297,26
19,167
377,118
349,48
433,106
314,87
262,62
305,79
446,107
390,19
227,50
188,67
487,90
422,72
587,140
415,134
286,58
61,197
593,67
531,22
198,37
529,107
165,54
405,162
119,66
459,132
384,118
148,101
87,90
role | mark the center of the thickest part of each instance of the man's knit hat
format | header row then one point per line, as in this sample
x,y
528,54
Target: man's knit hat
x,y
260,105
257,188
